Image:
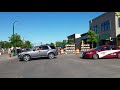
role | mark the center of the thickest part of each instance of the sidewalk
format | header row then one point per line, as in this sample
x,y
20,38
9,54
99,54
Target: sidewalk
x,y
5,57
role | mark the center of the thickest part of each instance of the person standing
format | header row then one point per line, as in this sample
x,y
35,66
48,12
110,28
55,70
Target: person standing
x,y
9,52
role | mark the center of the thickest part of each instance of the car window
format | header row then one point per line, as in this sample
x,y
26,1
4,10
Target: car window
x,y
113,47
52,47
107,48
44,47
97,48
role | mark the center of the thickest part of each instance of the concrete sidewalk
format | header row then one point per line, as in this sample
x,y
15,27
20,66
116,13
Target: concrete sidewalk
x,y
5,57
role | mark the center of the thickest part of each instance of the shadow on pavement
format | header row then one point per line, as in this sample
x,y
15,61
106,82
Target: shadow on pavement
x,y
43,58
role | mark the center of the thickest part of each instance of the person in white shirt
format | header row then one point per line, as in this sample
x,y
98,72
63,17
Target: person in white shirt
x,y
9,52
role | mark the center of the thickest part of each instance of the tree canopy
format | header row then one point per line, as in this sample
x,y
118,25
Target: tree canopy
x,y
91,37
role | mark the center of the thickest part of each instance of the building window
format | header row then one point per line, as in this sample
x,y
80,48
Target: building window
x,y
94,29
102,27
90,28
107,25
119,22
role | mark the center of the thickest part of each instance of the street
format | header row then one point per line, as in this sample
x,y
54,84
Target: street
x,y
64,66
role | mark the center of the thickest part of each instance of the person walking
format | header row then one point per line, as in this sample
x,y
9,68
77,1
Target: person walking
x,y
9,52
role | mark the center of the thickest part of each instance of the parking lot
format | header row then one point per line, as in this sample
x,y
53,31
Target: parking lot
x,y
64,66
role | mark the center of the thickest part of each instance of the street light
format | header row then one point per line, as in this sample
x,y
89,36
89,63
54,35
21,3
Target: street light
x,y
13,37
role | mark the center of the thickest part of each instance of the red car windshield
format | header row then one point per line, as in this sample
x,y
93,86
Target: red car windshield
x,y
97,48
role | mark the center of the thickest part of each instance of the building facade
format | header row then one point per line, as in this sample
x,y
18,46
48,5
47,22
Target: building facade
x,y
74,37
79,40
107,27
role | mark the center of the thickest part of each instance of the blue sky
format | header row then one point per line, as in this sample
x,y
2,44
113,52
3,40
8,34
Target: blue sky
x,y
45,27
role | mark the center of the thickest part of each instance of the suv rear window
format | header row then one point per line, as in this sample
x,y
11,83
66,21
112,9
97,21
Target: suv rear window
x,y
52,47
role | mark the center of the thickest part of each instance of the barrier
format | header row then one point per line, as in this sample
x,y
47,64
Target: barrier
x,y
62,51
77,51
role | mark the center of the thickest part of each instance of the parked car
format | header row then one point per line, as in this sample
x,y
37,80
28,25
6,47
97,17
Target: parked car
x,y
105,51
39,51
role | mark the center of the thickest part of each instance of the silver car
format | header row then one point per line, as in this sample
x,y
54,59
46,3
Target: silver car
x,y
39,51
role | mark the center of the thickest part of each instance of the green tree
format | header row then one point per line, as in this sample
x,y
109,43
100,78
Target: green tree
x,y
65,42
7,44
52,44
70,41
91,37
16,40
1,43
27,44
58,44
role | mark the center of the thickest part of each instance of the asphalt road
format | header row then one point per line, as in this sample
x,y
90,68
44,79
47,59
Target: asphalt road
x,y
64,66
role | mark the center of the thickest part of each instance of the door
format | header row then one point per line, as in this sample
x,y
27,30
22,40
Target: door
x,y
105,52
36,52
114,52
44,50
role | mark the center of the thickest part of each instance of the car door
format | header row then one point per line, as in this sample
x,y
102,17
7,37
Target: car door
x,y
114,51
105,52
44,50
36,52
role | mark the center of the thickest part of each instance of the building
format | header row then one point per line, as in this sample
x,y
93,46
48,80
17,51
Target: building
x,y
107,27
79,40
74,37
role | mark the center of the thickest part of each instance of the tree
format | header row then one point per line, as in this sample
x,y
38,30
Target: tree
x,y
70,41
65,42
1,44
52,44
91,37
7,44
58,44
16,40
27,44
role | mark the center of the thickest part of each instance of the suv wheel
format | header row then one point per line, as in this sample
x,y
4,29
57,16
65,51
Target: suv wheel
x,y
51,55
26,57
95,56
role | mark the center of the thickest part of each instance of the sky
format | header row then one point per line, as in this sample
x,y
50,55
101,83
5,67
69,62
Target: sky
x,y
45,27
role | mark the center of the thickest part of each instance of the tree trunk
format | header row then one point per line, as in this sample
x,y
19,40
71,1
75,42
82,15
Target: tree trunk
x,y
92,45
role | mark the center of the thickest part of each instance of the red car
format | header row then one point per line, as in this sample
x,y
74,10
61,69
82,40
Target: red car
x,y
106,51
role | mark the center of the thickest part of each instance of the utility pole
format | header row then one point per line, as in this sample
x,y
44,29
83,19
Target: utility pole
x,y
14,38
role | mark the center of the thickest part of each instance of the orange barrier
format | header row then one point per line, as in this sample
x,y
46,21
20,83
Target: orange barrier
x,y
77,51
62,51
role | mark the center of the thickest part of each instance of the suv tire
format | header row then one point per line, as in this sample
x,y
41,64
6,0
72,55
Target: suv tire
x,y
26,57
51,56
